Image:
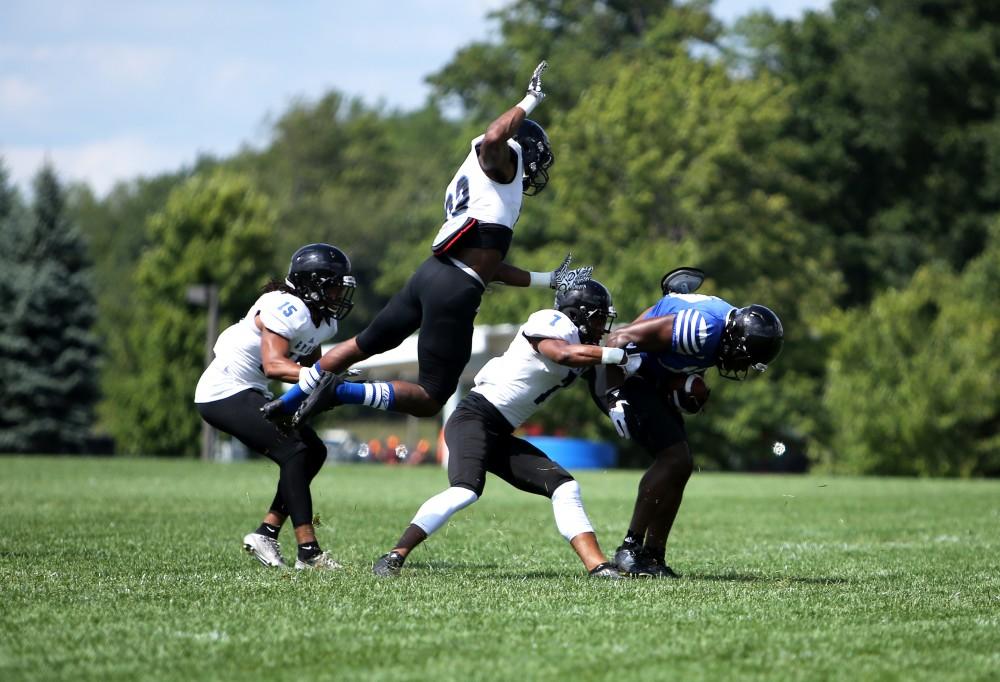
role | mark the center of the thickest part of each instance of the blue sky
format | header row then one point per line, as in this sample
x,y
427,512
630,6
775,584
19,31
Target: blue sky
x,y
111,90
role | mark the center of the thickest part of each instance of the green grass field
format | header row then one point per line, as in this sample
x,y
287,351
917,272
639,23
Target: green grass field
x,y
118,569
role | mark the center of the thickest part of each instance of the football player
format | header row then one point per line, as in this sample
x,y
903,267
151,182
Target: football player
x,y
548,353
481,207
681,336
279,338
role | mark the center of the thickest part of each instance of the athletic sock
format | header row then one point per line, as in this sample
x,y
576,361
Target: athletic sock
x,y
378,394
658,553
307,550
268,530
411,537
632,539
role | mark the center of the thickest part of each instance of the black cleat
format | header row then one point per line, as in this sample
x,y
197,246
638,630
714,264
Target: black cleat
x,y
626,556
322,398
389,565
605,570
274,412
647,566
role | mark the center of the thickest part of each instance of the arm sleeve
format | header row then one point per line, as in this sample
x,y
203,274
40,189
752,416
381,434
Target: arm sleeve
x,y
284,315
550,324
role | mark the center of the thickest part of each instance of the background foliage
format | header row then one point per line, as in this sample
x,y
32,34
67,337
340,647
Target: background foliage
x,y
842,168
48,352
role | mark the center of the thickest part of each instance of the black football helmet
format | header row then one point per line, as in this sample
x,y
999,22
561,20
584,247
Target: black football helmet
x,y
753,337
319,271
536,155
588,306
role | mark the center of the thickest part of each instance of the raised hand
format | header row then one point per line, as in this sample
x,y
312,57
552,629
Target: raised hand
x,y
564,279
535,84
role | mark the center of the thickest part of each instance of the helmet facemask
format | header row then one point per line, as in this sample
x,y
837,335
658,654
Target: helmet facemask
x,y
753,337
320,276
329,293
536,156
589,307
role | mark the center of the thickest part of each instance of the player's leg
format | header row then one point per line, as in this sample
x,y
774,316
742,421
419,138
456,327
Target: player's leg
x,y
300,460
395,322
659,429
442,301
527,468
238,416
299,454
449,307
661,491
469,438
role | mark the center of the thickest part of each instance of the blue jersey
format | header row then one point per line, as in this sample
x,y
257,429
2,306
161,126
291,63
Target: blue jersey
x,y
698,324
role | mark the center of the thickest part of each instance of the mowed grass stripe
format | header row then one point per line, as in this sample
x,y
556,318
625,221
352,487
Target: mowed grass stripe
x,y
123,569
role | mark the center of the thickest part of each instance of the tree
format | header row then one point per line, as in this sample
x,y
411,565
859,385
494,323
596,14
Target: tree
x,y
912,386
115,228
584,40
895,101
215,229
48,351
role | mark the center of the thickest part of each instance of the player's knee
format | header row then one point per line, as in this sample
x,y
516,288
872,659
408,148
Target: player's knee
x,y
676,461
427,407
567,507
437,510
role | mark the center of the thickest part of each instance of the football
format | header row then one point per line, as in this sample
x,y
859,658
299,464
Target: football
x,y
688,393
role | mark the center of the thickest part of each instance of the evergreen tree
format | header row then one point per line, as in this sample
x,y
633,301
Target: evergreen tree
x,y
48,350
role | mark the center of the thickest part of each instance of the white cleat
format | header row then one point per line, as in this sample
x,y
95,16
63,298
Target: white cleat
x,y
321,562
264,549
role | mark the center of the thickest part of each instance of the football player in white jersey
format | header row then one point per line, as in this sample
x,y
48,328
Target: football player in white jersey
x,y
279,338
678,338
441,299
548,353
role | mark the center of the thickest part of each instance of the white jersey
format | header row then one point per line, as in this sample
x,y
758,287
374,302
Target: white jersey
x,y
472,194
520,380
238,365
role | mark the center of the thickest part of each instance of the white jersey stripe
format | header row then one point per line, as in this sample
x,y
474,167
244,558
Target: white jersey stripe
x,y
702,333
692,332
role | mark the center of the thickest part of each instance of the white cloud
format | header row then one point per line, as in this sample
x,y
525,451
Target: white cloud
x,y
19,96
99,163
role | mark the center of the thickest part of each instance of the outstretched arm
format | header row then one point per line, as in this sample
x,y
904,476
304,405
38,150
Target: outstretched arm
x,y
652,334
561,278
578,354
495,156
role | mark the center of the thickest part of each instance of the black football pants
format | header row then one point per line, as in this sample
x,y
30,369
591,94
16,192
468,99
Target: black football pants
x,y
299,453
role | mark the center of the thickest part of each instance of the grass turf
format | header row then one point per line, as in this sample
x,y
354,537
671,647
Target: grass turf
x,y
118,569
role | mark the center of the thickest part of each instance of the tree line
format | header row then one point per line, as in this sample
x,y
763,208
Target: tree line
x,y
842,168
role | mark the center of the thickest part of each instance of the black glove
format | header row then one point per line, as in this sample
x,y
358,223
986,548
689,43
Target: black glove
x,y
274,412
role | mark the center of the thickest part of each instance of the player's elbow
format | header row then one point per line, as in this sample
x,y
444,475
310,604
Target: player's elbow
x,y
273,370
562,356
495,137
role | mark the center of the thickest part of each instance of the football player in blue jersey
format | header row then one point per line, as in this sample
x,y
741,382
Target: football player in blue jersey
x,y
680,337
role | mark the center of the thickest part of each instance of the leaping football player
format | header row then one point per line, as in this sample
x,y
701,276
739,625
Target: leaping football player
x,y
548,353
481,207
679,338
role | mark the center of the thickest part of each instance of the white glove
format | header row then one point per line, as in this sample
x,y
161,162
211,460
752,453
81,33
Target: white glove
x,y
617,414
535,95
631,364
309,377
535,84
563,278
